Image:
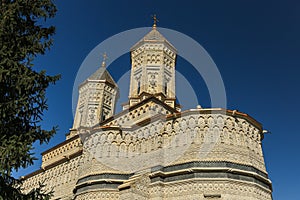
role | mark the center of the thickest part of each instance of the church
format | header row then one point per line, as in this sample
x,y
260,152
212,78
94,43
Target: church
x,y
152,149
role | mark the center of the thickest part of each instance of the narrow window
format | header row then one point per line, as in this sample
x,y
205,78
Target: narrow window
x,y
139,88
166,88
103,115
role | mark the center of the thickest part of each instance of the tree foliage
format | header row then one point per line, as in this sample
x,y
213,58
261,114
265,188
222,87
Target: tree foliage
x,y
22,88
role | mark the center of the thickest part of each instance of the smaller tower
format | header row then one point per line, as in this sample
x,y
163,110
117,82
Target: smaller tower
x,y
97,98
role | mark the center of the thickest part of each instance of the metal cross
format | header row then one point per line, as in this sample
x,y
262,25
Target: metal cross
x,y
104,57
155,20
104,60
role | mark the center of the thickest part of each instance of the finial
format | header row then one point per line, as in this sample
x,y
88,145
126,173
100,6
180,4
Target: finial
x,y
104,60
155,20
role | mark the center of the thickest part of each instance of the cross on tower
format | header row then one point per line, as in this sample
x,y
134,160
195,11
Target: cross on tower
x,y
104,60
155,20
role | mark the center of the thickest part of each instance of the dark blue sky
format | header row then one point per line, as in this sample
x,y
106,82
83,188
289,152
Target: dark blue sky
x,y
255,45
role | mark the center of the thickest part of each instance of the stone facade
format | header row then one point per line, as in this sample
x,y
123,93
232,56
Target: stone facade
x,y
97,99
152,150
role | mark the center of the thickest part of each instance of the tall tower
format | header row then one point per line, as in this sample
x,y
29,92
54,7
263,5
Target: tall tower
x,y
153,61
97,98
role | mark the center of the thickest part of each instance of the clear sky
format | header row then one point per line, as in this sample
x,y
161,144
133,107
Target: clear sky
x,y
255,45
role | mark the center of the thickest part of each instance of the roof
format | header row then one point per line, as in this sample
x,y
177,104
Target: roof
x,y
153,36
151,98
102,74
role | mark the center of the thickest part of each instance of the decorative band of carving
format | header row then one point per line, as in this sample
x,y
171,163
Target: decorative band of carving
x,y
192,170
100,181
210,170
209,164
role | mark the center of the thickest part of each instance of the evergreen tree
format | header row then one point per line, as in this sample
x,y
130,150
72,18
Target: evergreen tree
x,y
22,88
